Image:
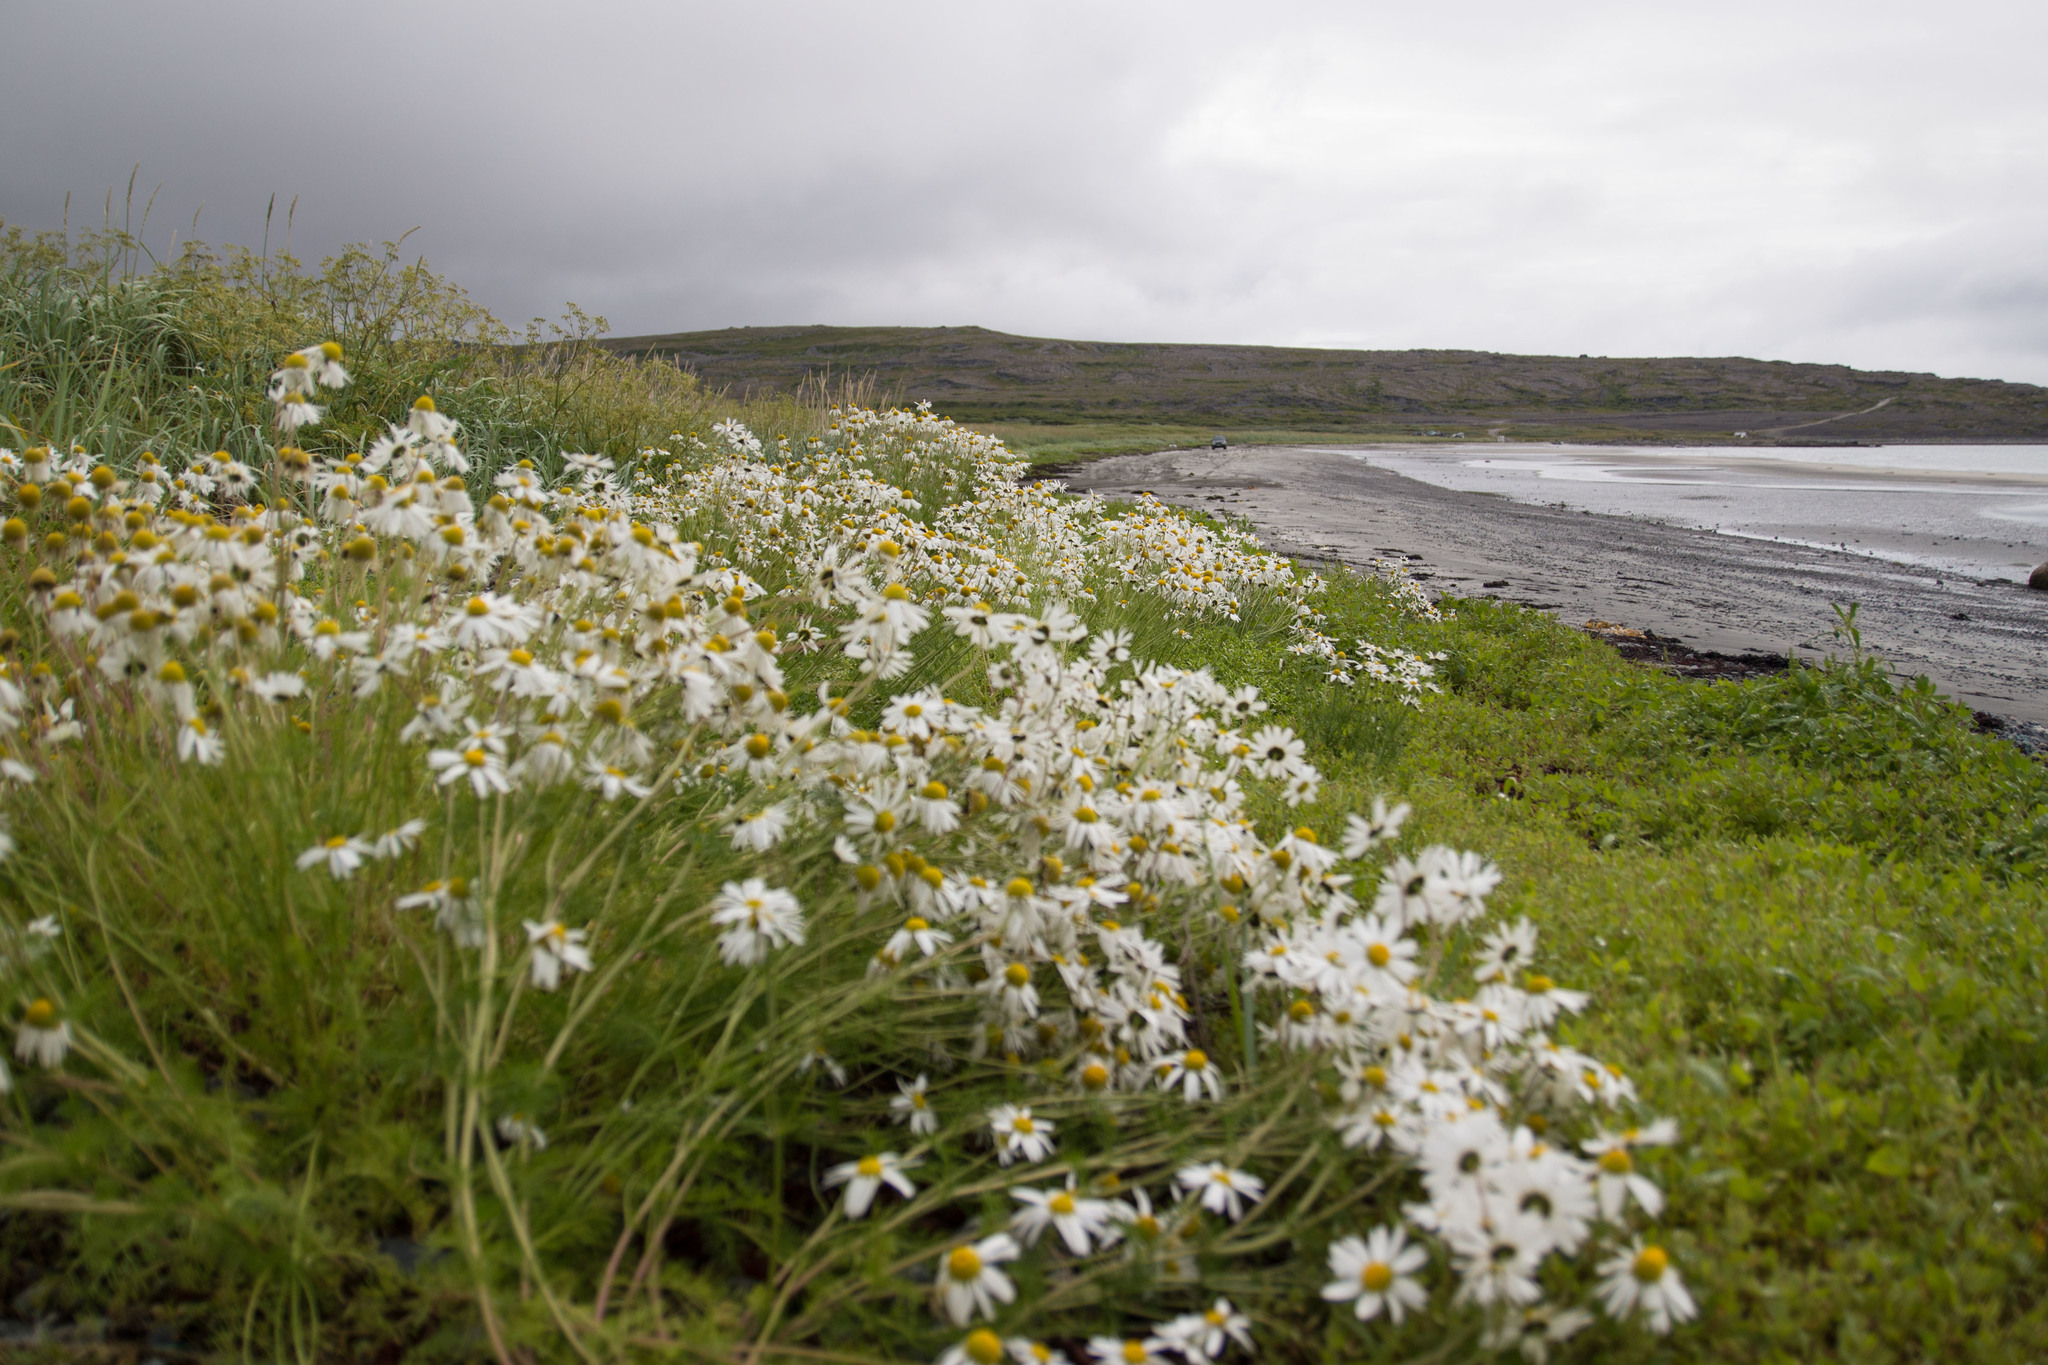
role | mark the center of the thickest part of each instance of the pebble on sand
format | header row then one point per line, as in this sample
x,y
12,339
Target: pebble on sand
x,y
2038,579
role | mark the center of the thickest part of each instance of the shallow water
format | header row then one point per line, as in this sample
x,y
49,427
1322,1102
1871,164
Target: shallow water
x,y
1949,510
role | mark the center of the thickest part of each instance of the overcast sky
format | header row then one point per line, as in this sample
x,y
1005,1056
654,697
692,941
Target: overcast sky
x,y
1863,182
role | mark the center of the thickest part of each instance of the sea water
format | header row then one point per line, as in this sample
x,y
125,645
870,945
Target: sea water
x,y
1975,511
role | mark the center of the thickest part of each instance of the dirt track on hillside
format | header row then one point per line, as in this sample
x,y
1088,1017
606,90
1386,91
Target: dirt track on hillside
x,y
1984,643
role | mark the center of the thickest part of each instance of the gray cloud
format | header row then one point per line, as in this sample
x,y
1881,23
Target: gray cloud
x,y
1860,183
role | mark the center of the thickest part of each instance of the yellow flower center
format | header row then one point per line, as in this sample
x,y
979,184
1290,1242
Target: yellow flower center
x,y
963,1264
1650,1265
916,924
473,757
934,791
1135,1353
1376,1276
1616,1161
871,1167
1095,1076
1024,1124
1017,974
1019,887
1197,1060
1062,1203
1538,985
478,607
1379,955
41,1014
885,821
983,1346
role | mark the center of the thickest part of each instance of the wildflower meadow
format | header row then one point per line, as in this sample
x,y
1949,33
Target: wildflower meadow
x,y
789,888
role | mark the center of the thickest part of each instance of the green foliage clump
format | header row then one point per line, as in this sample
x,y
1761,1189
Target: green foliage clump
x,y
102,349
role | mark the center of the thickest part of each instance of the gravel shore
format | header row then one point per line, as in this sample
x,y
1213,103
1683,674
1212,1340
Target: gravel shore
x,y
1984,643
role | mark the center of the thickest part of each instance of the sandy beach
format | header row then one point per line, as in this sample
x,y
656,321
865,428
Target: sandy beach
x,y
1983,641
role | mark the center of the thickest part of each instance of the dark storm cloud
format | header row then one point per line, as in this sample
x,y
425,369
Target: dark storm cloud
x,y
1857,183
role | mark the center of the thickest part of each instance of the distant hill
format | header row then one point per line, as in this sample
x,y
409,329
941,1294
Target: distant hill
x,y
981,376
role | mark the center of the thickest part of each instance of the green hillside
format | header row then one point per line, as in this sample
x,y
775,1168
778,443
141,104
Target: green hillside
x,y
981,376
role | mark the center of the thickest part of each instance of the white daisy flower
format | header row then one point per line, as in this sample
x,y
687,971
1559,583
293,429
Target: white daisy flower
x,y
481,766
1129,1350
1616,1180
1193,1072
917,932
556,950
1375,1274
610,781
278,686
1221,1189
757,918
516,1130
968,1281
761,830
393,842
197,744
1081,1222
1641,1279
44,1036
342,854
979,1347
913,1108
865,1178
1207,1335
1018,1135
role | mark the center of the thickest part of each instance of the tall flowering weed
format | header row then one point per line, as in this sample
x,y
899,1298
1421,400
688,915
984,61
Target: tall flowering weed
x,y
779,798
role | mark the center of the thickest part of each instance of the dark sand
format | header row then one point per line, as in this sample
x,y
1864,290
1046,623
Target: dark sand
x,y
1983,643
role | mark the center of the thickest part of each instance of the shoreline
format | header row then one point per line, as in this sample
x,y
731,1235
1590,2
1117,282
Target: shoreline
x,y
1983,642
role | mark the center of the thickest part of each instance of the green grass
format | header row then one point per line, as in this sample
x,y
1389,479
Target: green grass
x,y
1050,443
94,353
1812,913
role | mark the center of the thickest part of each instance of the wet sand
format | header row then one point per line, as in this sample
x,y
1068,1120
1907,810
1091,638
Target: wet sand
x,y
1984,643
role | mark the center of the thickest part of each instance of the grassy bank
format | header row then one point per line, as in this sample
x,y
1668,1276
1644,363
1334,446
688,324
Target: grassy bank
x,y
461,908
1047,444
